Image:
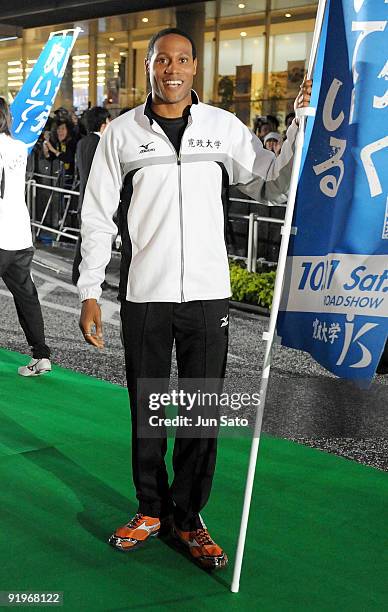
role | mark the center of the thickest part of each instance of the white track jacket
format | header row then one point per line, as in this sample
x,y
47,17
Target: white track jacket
x,y
15,228
170,206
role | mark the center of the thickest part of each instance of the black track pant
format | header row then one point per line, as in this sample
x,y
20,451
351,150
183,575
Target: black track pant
x,y
200,331
15,270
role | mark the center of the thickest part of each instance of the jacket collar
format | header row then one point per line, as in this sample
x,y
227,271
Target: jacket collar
x,y
147,104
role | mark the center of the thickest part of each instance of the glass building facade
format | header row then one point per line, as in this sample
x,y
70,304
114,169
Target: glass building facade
x,y
252,55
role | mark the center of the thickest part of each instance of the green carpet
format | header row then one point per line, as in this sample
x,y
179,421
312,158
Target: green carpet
x,y
317,532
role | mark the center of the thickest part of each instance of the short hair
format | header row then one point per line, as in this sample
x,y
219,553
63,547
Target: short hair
x,y
258,122
166,32
273,119
289,116
5,118
96,117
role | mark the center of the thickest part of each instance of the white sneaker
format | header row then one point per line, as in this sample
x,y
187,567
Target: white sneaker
x,y
35,367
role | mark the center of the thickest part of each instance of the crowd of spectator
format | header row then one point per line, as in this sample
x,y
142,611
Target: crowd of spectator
x,y
65,129
267,129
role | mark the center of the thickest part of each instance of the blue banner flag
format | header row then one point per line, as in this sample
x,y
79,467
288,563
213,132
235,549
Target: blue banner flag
x,y
32,105
335,292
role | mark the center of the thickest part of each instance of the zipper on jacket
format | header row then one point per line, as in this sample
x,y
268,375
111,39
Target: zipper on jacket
x,y
179,164
181,217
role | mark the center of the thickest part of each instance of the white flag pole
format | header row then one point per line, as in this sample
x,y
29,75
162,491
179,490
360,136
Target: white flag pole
x,y
269,336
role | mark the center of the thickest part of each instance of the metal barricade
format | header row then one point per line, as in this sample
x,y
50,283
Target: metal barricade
x,y
72,233
38,225
253,231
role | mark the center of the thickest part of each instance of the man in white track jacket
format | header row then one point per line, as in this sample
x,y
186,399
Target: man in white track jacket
x,y
166,166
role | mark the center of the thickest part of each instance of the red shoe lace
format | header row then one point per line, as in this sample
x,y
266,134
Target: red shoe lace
x,y
203,537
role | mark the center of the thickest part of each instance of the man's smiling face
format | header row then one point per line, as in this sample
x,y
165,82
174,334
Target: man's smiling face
x,y
171,69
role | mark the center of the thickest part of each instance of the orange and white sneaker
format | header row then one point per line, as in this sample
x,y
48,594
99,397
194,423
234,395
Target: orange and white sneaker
x,y
135,533
201,548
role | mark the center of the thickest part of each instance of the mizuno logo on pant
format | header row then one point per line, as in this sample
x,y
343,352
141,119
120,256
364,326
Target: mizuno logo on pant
x,y
224,321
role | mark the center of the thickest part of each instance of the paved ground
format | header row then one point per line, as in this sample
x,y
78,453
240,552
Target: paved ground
x,y
305,403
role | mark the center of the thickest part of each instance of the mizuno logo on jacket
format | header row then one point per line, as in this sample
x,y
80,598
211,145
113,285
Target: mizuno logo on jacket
x,y
145,148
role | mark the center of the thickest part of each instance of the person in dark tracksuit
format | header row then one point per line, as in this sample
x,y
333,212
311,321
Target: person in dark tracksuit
x,y
97,119
16,250
167,166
